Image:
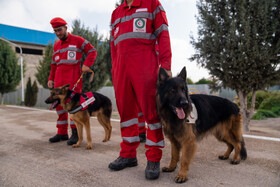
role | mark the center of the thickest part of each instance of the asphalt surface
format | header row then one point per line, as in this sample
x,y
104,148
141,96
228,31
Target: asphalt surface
x,y
28,159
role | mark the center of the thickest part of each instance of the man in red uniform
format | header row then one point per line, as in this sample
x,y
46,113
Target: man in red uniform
x,y
136,26
66,69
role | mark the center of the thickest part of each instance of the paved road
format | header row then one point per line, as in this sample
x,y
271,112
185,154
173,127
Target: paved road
x,y
28,159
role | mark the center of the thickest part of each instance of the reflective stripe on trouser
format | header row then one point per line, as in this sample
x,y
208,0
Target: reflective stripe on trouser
x,y
136,84
62,121
141,123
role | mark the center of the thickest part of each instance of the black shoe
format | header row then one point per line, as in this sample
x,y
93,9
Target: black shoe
x,y
142,137
58,138
121,163
152,170
74,137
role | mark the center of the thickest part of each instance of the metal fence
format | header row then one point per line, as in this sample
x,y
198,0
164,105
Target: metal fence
x,y
15,97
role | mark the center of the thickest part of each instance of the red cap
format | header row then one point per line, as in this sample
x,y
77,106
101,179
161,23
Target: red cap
x,y
57,22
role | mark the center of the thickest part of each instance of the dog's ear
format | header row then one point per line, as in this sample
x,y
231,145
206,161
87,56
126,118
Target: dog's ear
x,y
162,75
183,74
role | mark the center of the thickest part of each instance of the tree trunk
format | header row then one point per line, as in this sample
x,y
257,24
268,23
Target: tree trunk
x,y
2,99
246,115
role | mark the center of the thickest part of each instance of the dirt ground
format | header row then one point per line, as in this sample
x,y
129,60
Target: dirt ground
x,y
28,159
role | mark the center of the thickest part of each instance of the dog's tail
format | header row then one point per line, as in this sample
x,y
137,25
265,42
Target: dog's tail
x,y
243,151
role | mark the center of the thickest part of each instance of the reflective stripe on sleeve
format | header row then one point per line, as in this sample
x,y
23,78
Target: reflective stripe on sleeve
x,y
61,112
129,123
93,49
151,143
163,27
72,122
135,35
131,139
53,62
84,44
155,126
61,122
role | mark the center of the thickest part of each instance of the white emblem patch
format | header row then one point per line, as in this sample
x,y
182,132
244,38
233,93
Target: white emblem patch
x,y
139,25
142,10
71,55
56,58
74,46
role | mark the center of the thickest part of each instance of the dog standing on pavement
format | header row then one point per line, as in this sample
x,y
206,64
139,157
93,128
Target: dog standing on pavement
x,y
101,107
188,118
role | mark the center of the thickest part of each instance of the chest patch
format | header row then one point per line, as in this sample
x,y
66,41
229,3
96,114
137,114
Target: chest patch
x,y
71,55
56,58
139,25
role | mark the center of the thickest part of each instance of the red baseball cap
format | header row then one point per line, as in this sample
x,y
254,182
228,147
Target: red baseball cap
x,y
57,22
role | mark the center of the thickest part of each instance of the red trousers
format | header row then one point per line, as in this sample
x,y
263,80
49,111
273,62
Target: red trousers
x,y
141,123
62,121
134,78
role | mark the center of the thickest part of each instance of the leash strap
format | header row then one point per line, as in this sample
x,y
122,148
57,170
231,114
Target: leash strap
x,y
91,79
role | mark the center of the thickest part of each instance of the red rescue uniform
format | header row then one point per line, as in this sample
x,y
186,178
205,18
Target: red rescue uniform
x,y
135,66
66,69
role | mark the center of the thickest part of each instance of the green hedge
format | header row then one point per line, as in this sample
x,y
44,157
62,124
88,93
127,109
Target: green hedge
x,y
264,114
271,102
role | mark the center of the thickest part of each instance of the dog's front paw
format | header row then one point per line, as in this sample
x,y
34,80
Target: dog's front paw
x,y
180,179
75,145
222,157
233,162
88,147
168,169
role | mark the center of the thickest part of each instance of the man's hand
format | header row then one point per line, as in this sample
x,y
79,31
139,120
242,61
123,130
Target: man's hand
x,y
86,69
50,84
169,73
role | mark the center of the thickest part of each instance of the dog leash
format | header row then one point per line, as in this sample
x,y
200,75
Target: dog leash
x,y
91,79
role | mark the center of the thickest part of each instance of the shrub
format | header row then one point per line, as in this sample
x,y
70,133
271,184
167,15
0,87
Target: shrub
x,y
31,93
260,96
264,114
276,110
271,102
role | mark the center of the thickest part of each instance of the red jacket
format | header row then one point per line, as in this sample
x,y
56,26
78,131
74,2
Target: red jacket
x,y
141,25
66,61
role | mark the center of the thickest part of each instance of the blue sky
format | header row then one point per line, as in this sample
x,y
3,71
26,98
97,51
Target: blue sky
x,y
36,14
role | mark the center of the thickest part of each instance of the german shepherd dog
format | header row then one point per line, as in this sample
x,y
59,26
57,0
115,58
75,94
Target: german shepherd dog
x,y
215,115
102,108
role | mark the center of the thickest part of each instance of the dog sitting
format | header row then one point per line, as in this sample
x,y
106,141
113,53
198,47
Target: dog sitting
x,y
101,106
188,118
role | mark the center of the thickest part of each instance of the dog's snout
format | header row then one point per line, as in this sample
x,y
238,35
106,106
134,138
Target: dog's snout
x,y
184,103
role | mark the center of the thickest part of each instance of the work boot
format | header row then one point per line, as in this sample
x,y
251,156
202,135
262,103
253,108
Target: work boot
x,y
58,138
152,170
121,163
74,137
142,137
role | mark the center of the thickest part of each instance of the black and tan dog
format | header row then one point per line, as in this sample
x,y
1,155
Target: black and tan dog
x,y
102,108
215,115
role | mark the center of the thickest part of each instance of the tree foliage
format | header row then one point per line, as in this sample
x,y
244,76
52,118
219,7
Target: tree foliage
x,y
31,91
44,68
100,66
239,42
203,81
9,69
